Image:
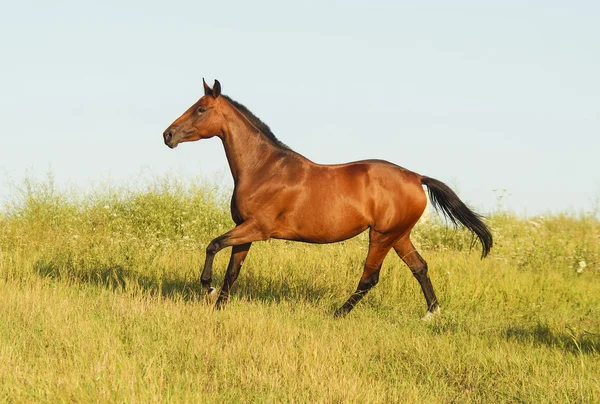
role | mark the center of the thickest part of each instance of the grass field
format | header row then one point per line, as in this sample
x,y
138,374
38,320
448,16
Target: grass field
x,y
99,300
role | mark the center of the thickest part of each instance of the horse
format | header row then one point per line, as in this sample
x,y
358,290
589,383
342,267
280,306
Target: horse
x,y
281,194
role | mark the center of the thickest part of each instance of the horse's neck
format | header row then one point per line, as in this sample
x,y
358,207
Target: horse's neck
x,y
246,149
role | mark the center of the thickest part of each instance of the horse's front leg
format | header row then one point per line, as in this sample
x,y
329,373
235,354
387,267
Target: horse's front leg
x,y
245,233
238,254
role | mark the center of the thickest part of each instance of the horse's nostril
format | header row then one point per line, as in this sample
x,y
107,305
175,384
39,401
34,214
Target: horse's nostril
x,y
167,135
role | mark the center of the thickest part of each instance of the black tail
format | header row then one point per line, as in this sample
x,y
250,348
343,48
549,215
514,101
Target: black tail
x,y
445,200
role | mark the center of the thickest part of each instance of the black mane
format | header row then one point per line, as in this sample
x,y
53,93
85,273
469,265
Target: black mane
x,y
260,125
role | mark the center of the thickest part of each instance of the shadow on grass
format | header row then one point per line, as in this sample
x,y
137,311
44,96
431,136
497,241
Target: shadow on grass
x,y
541,334
119,278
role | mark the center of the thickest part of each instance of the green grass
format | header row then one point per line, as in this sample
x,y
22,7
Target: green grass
x,y
99,300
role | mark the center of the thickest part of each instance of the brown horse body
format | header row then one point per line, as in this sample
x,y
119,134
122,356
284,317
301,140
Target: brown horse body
x,y
279,193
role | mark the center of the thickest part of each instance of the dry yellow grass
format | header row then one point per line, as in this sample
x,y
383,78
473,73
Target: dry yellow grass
x,y
100,301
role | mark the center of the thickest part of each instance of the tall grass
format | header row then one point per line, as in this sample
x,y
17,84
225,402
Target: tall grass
x,y
100,300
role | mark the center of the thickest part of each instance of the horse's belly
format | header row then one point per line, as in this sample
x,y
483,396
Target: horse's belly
x,y
319,226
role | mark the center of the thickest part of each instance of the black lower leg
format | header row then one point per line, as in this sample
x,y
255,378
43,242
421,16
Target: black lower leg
x,y
421,274
363,287
418,266
211,250
206,277
238,254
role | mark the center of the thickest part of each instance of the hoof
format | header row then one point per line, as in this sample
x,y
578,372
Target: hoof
x,y
212,296
430,315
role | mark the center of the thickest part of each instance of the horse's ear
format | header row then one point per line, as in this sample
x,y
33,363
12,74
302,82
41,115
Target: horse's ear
x,y
216,90
207,89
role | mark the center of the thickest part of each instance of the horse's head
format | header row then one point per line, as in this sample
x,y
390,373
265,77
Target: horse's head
x,y
202,120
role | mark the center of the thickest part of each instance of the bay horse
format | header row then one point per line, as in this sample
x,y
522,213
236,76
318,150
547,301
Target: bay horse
x,y
281,194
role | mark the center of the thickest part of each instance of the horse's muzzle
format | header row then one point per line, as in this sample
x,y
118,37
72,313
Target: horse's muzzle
x,y
168,137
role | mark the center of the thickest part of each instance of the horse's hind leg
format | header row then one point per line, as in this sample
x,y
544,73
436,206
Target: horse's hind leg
x,y
407,252
378,249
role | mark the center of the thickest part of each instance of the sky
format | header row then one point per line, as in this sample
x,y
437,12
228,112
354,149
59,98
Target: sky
x,y
501,100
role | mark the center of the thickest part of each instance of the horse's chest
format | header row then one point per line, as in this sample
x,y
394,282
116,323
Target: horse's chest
x,y
241,208
248,205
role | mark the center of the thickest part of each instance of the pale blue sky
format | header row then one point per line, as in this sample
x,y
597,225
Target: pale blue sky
x,y
482,95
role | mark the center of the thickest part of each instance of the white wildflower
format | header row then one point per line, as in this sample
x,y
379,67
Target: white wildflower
x,y
582,265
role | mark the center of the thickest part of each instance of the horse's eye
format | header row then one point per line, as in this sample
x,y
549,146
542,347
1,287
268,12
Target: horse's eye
x,y
201,110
